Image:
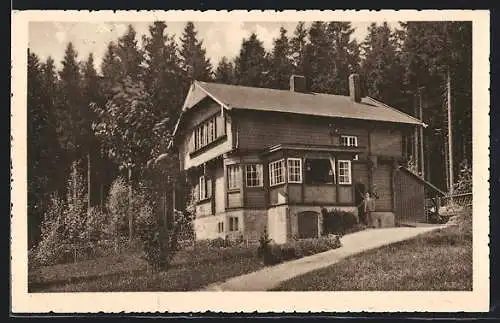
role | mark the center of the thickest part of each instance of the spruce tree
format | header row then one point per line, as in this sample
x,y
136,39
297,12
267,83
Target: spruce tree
x,y
225,71
251,66
280,64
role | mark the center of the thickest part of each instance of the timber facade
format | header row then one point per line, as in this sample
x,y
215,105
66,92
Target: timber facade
x,y
258,162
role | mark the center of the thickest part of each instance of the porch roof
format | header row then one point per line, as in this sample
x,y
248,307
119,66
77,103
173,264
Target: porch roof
x,y
322,148
422,180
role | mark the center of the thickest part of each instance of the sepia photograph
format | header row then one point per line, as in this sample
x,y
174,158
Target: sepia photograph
x,y
281,153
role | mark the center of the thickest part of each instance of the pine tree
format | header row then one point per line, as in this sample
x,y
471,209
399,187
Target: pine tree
x,y
280,64
321,69
193,56
382,71
298,46
344,52
251,65
163,77
129,55
225,71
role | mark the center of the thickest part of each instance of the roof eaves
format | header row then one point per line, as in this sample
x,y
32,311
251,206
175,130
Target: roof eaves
x,y
423,180
396,110
198,83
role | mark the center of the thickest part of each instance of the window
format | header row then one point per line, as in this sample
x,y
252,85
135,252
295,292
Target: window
x,y
254,175
205,188
294,170
205,133
276,172
344,172
220,227
319,171
349,141
233,176
233,223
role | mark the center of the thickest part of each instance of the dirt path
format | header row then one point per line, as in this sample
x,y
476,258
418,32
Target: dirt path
x,y
352,244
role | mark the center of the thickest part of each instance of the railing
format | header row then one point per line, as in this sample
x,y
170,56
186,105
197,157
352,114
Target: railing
x,y
439,209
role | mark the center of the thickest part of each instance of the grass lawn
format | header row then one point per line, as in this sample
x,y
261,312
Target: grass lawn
x,y
438,260
190,270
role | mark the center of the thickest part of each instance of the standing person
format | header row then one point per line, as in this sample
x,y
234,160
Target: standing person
x,y
368,206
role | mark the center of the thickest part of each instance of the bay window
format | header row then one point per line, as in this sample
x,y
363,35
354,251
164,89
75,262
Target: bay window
x,y
277,172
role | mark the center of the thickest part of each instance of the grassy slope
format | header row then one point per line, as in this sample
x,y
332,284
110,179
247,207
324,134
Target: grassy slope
x,y
190,270
439,260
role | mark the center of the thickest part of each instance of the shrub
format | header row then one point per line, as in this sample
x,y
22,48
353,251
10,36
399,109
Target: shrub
x,y
272,253
337,221
118,207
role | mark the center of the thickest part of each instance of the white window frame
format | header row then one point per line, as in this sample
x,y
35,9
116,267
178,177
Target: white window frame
x,y
351,141
291,166
204,188
254,176
341,177
233,176
205,133
273,171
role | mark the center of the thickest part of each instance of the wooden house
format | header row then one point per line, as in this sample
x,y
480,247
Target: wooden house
x,y
265,159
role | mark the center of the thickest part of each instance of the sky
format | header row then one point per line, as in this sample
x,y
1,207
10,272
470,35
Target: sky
x,y
219,38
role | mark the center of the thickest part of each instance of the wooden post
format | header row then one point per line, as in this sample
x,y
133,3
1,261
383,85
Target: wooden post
x,y
415,136
89,187
450,134
130,213
421,132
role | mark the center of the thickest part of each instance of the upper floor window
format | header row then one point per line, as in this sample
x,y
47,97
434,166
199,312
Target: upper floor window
x,y
205,133
294,170
345,172
277,172
254,175
349,141
233,176
205,188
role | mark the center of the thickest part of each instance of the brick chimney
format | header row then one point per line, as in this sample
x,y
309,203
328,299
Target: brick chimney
x,y
297,83
354,88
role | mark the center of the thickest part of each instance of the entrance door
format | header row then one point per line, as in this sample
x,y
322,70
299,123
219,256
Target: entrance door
x,y
382,179
308,224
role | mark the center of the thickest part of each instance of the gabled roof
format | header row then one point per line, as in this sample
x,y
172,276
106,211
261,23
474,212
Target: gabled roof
x,y
314,104
422,180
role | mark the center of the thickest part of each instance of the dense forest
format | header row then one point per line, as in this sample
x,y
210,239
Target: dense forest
x,y
89,127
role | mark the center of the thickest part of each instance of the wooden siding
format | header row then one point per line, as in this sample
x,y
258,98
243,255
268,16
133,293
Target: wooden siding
x,y
219,192
383,181
345,194
360,174
409,198
258,130
294,193
386,142
320,194
234,199
255,197
273,194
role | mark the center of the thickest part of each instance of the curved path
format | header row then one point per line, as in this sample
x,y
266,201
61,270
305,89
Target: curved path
x,y
270,277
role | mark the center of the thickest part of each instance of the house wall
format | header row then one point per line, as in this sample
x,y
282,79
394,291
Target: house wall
x,y
382,180
201,112
206,227
258,130
410,196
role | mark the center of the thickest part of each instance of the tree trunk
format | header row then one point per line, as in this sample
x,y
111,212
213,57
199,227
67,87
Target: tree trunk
x,y
89,187
130,211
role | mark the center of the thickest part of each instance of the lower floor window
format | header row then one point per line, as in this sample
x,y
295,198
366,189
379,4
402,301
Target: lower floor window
x,y
205,188
220,227
233,223
345,172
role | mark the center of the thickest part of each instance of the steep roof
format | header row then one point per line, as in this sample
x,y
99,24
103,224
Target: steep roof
x,y
316,104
